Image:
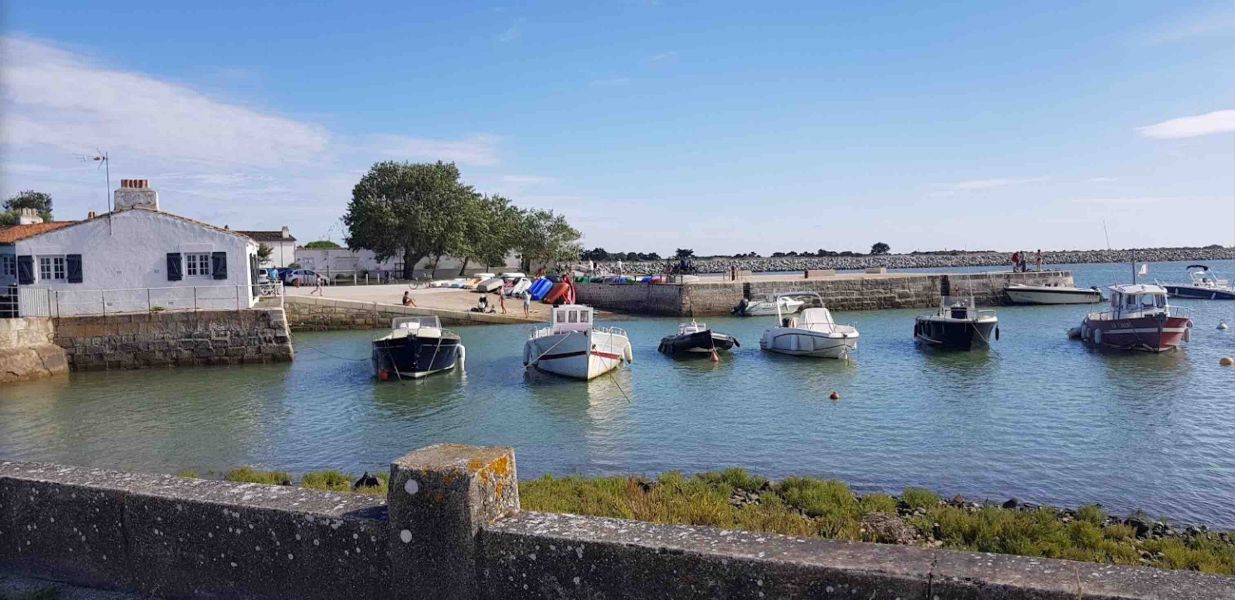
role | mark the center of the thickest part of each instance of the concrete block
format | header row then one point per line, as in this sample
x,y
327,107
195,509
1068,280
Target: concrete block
x,y
439,498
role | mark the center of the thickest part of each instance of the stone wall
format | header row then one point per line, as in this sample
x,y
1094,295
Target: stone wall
x,y
451,528
26,351
160,339
839,292
306,313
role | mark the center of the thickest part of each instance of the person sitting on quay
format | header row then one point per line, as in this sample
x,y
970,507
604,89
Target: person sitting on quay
x,y
407,299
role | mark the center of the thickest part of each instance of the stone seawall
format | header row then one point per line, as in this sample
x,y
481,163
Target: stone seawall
x,y
452,528
27,351
162,339
306,313
839,292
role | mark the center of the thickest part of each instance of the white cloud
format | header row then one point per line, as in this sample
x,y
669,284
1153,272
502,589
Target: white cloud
x,y
1219,121
475,150
665,57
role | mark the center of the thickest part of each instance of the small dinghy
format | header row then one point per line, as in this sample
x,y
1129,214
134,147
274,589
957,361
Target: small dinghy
x,y
957,325
696,338
414,348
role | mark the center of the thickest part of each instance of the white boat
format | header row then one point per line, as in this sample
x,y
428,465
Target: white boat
x,y
785,304
1050,294
477,279
491,284
519,287
446,283
1204,286
571,345
812,333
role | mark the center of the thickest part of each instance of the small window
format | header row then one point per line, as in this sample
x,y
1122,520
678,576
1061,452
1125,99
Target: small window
x,y
8,265
51,268
561,316
197,264
583,316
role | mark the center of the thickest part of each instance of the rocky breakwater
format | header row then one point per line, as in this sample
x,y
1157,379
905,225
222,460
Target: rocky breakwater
x,y
933,260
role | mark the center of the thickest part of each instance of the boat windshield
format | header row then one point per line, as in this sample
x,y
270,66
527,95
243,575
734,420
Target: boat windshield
x,y
415,322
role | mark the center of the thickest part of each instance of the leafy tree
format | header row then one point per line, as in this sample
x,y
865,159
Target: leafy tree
x,y
408,210
322,245
880,248
547,238
264,252
683,253
39,201
493,231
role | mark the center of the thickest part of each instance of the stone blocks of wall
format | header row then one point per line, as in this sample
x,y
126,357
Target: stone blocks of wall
x,y
160,339
26,351
306,313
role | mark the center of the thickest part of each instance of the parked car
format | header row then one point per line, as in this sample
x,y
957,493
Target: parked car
x,y
270,274
303,277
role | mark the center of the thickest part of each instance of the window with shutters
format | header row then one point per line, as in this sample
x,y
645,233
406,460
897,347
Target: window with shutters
x,y
8,265
197,264
51,268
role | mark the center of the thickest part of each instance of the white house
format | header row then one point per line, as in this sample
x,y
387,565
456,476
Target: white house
x,y
281,243
135,258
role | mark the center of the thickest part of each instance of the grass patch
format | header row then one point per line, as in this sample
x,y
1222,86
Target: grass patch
x,y
919,498
251,475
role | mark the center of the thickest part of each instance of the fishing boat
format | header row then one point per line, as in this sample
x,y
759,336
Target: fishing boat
x,y
1050,294
696,338
571,345
957,325
772,305
1140,318
812,333
1204,285
414,348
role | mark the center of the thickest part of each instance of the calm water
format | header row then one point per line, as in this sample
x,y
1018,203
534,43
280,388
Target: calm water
x,y
1038,417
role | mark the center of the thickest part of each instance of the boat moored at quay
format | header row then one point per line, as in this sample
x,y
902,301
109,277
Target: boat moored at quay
x,y
571,345
1140,318
1204,285
812,333
957,325
1049,294
696,338
415,347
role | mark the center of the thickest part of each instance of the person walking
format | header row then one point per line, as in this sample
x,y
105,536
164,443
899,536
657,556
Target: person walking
x,y
317,285
527,304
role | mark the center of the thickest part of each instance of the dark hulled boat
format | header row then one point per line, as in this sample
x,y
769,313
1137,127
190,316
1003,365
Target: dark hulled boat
x,y
1204,286
957,325
696,338
414,348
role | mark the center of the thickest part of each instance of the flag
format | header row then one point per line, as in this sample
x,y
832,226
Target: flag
x,y
1144,269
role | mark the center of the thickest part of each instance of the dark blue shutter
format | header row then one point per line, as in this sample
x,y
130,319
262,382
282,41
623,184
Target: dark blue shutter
x,y
174,267
25,270
218,265
72,263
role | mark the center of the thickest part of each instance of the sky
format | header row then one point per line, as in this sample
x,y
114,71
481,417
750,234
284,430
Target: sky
x,y
723,127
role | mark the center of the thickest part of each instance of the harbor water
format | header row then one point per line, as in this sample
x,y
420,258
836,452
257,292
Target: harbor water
x,y
1038,417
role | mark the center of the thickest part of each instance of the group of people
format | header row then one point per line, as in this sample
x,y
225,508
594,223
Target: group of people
x,y
1020,261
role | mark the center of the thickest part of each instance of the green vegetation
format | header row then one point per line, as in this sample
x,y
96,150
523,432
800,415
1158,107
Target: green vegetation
x,y
329,480
322,245
39,201
251,475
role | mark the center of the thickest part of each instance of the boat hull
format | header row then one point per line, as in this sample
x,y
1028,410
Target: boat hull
x,y
1155,333
1048,295
414,357
699,342
578,355
1198,292
799,342
954,334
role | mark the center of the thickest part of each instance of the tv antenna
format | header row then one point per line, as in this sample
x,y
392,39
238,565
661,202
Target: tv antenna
x,y
100,157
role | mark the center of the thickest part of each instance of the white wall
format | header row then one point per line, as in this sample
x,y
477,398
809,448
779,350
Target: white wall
x,y
124,264
283,253
344,260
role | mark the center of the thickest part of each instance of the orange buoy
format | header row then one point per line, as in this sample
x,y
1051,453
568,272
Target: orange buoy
x,y
383,375
715,357
835,396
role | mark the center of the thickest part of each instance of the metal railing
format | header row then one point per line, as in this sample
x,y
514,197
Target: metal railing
x,y
29,301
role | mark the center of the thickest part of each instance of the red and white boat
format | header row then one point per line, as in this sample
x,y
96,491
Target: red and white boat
x,y
1139,319
571,345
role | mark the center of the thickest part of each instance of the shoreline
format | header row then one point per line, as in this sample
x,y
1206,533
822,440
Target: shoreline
x,y
722,264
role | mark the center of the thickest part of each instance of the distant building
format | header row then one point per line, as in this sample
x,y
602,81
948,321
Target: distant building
x,y
281,243
135,258
336,262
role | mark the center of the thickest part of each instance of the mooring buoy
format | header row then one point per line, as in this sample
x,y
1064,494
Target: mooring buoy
x,y
1226,361
835,396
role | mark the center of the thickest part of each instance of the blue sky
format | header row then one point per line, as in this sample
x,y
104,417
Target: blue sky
x,y
724,127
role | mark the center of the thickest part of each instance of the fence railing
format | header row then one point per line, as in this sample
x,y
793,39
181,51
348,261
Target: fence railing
x,y
29,301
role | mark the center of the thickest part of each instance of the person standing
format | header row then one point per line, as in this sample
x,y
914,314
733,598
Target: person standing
x,y
1016,261
1038,260
501,301
527,304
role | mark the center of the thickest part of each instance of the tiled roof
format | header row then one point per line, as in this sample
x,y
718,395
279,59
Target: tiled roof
x,y
16,233
267,236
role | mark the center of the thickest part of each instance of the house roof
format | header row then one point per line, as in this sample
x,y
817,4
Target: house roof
x,y
267,236
16,233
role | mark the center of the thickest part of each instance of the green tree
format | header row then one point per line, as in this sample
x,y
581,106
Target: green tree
x,y
547,238
39,201
408,210
880,248
322,245
684,253
264,252
496,231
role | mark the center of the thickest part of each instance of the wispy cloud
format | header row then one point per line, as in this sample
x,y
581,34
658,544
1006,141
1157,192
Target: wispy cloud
x,y
476,150
610,82
512,33
1219,121
664,57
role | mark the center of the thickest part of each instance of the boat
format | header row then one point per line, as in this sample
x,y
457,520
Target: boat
x,y
519,287
491,284
571,345
696,338
771,305
1140,318
477,279
957,325
1204,286
812,333
1051,294
414,348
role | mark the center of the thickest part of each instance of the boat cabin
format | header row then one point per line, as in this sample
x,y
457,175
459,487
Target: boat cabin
x,y
1202,277
1138,300
421,326
818,319
571,317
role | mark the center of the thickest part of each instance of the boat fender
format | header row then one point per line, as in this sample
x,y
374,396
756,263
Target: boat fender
x,y
383,375
527,354
1222,326
1187,334
996,334
1097,336
461,353
628,354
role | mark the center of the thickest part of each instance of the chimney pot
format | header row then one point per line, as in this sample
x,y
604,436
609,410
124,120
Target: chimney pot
x,y
28,216
286,232
90,215
136,193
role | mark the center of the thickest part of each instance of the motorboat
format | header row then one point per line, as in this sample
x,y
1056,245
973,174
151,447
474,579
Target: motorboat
x,y
416,347
812,333
771,305
491,284
448,283
1204,286
957,325
477,279
1140,318
571,345
696,338
1051,294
